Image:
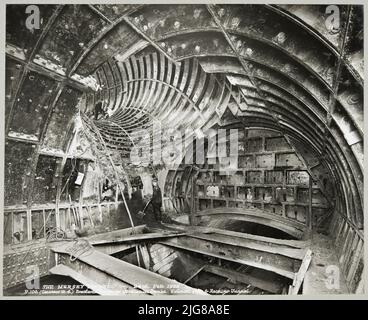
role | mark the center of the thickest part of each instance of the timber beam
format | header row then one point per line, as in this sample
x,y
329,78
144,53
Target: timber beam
x,y
113,274
234,234
130,235
253,280
115,236
274,262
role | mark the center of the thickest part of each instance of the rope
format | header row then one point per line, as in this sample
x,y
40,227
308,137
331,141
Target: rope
x,y
80,247
55,234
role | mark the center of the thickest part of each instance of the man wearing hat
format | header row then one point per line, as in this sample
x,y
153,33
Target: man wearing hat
x,y
156,199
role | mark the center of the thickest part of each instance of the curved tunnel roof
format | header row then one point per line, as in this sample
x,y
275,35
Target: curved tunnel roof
x,y
268,66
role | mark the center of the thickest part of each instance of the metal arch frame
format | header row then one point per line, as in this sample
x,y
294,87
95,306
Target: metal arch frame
x,y
121,19
93,42
332,174
28,62
338,170
301,102
137,9
316,34
91,47
246,67
291,227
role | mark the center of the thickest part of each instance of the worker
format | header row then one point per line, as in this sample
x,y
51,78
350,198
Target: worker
x,y
107,192
156,199
99,111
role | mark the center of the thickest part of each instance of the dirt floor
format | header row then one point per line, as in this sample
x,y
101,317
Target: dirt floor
x,y
322,275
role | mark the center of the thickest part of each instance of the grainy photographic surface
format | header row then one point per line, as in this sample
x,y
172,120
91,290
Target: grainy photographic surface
x,y
197,149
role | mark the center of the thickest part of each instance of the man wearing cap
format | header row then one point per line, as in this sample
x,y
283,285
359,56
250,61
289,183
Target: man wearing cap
x,y
156,199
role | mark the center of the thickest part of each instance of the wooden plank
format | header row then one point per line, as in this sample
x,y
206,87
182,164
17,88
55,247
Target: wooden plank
x,y
157,249
162,263
113,236
145,256
340,228
108,248
89,283
299,276
195,229
150,236
264,260
246,243
119,237
90,215
160,251
355,261
334,224
166,268
342,241
254,281
347,249
123,271
350,253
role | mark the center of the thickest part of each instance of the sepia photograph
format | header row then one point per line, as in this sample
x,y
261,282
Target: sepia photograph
x,y
201,149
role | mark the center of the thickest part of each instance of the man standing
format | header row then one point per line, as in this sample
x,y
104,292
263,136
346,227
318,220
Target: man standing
x,y
156,199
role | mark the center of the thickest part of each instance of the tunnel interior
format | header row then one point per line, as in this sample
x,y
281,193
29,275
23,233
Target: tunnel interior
x,y
250,117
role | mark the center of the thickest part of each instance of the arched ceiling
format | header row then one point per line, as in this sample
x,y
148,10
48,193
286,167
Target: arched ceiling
x,y
191,66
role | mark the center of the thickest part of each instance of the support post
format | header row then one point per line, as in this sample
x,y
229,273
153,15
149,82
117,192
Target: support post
x,y
193,209
309,220
29,224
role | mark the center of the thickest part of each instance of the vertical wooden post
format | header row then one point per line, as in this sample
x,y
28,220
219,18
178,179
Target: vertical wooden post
x,y
29,224
13,226
57,215
81,214
44,222
193,209
309,219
